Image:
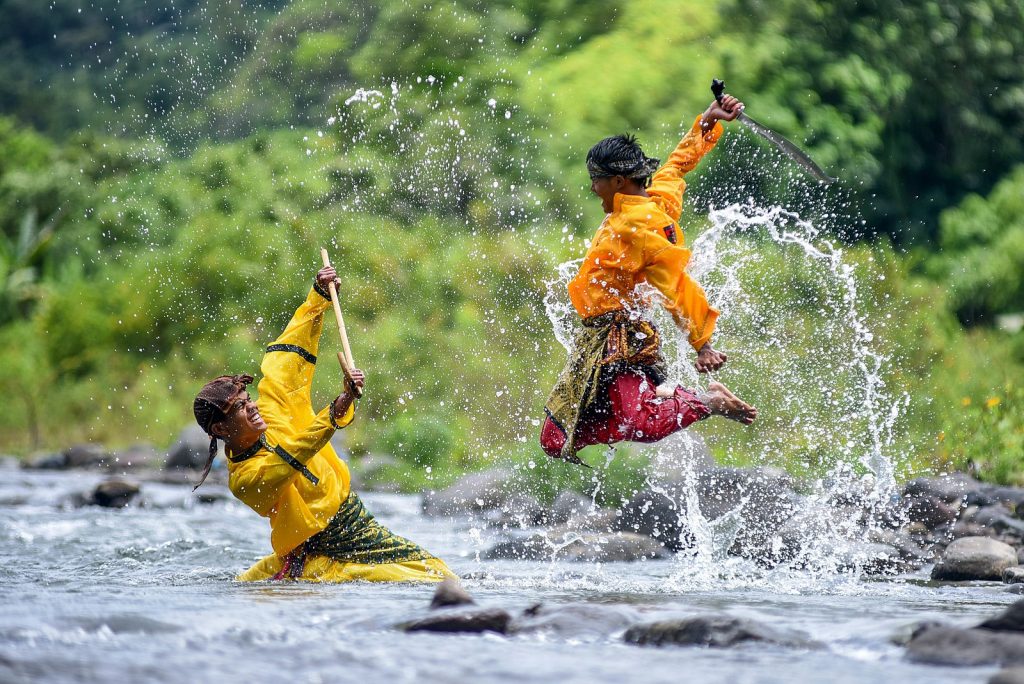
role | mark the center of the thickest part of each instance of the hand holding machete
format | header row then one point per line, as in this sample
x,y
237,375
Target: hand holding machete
x,y
787,148
348,366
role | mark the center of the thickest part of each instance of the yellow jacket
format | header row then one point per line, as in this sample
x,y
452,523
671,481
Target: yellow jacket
x,y
292,475
640,241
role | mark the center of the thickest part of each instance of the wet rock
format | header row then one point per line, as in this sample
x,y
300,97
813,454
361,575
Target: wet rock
x,y
450,592
568,545
1008,496
996,518
85,456
45,461
943,645
873,559
1015,589
597,520
488,620
139,456
949,489
654,515
191,450
373,469
907,548
929,510
1010,620
677,460
576,619
568,505
763,496
719,631
114,493
212,495
472,493
1011,675
970,529
1020,556
974,558
518,511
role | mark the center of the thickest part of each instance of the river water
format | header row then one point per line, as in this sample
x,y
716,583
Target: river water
x,y
147,594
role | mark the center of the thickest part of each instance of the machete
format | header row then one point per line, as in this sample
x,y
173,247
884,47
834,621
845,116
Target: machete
x,y
787,148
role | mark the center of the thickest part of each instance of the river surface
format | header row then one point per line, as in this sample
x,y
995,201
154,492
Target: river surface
x,y
146,594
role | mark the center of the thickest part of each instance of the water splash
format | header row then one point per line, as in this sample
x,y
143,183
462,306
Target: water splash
x,y
794,319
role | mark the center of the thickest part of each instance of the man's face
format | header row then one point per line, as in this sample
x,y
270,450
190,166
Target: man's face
x,y
605,187
243,419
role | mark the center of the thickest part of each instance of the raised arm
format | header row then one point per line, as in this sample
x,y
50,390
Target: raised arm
x,y
667,184
288,365
665,269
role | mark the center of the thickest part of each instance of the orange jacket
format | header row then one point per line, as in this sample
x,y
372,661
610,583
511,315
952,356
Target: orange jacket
x,y
640,241
292,475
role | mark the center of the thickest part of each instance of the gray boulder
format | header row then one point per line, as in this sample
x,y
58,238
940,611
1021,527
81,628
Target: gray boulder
x,y
475,621
191,450
944,645
950,489
719,631
113,493
568,545
472,493
764,496
568,505
974,558
450,592
86,456
517,510
1010,620
139,456
1011,675
930,510
654,515
45,461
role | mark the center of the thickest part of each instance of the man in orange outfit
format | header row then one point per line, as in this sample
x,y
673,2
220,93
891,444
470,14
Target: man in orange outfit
x,y
612,386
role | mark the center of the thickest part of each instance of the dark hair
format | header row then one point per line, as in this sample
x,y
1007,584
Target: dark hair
x,y
212,405
621,155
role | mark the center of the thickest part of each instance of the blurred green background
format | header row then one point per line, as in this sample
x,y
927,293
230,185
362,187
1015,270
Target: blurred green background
x,y
168,174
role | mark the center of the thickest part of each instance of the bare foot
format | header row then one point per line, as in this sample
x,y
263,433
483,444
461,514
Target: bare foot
x,y
724,403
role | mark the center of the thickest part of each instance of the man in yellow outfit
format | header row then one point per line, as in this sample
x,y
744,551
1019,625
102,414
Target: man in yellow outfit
x,y
281,464
612,386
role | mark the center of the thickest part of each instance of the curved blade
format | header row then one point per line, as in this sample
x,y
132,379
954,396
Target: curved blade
x,y
788,148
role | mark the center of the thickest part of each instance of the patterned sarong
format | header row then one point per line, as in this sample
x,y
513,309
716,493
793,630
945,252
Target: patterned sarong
x,y
353,536
604,346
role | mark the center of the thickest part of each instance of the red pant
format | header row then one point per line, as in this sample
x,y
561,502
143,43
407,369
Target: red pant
x,y
635,414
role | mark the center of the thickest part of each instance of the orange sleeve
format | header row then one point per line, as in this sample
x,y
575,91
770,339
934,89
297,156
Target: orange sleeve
x,y
665,269
667,185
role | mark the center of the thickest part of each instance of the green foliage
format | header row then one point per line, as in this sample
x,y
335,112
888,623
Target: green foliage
x,y
134,266
982,255
917,103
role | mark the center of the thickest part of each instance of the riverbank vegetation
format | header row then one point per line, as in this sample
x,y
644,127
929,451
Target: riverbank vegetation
x,y
166,179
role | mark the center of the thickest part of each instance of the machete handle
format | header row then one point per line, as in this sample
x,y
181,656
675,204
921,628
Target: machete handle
x,y
717,89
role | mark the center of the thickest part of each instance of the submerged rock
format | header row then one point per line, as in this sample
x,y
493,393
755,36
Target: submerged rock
x,y
1011,675
944,645
1013,575
974,558
1010,620
114,493
487,620
719,631
576,619
450,592
568,545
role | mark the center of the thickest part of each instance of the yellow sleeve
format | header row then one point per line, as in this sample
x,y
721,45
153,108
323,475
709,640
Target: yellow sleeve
x,y
665,269
287,368
307,443
667,185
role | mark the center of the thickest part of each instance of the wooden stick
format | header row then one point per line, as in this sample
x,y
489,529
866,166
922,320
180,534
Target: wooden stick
x,y
345,359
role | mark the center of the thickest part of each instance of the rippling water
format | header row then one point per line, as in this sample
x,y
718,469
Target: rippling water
x,y
147,594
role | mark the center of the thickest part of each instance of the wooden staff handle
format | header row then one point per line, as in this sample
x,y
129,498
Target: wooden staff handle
x,y
345,359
